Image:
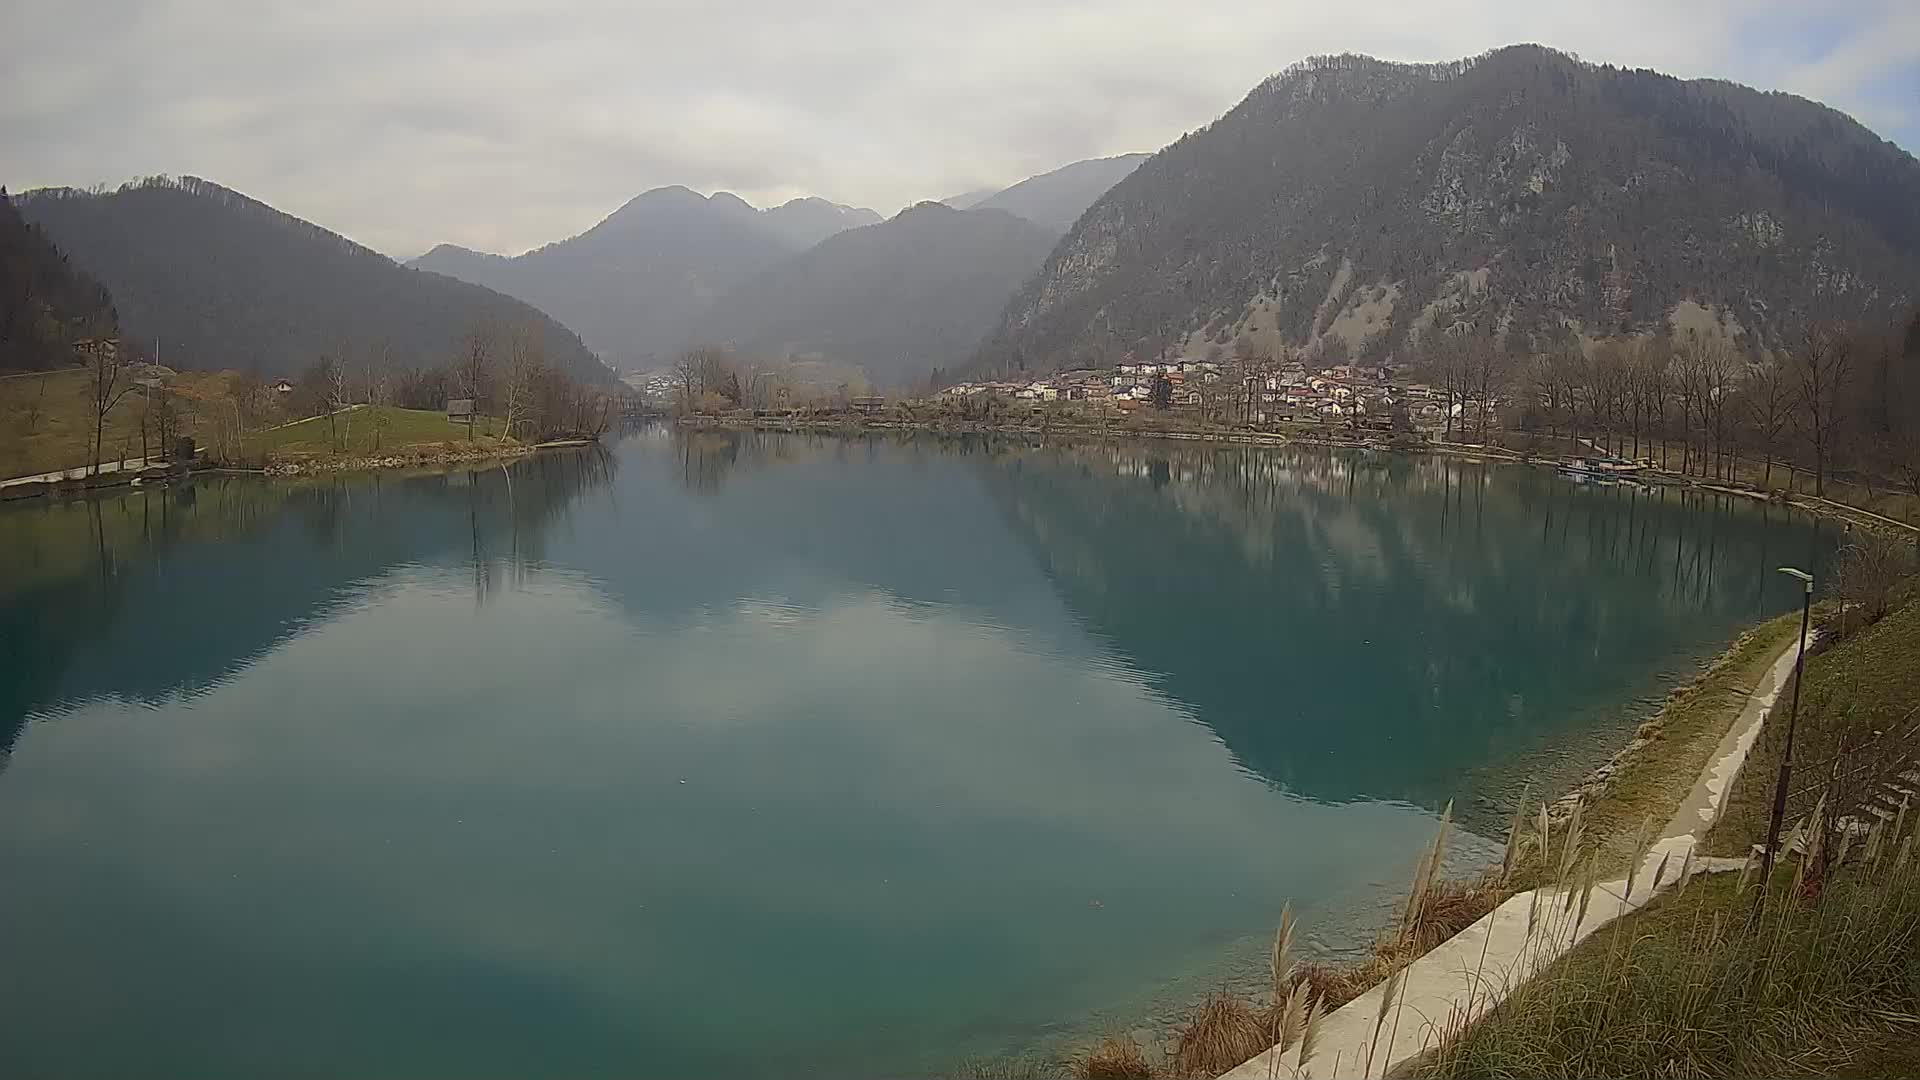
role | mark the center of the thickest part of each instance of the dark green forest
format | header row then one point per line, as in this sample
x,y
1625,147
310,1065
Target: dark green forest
x,y
46,304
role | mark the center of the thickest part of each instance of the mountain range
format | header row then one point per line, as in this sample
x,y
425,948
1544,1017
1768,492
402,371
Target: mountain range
x,y
1055,199
674,268
1346,206
631,284
219,280
898,299
1349,204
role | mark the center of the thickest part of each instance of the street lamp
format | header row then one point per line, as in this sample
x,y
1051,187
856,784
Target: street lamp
x,y
1786,758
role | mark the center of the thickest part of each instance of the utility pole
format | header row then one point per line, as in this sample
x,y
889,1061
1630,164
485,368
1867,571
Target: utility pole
x,y
1793,717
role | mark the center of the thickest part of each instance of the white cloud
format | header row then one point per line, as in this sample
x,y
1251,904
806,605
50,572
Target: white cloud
x,y
517,122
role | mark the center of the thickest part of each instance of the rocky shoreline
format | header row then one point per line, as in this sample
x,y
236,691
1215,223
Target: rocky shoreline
x,y
428,458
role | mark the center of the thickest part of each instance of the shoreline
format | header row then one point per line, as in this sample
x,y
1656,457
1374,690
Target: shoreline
x,y
838,425
1682,805
22,491
397,460
1466,975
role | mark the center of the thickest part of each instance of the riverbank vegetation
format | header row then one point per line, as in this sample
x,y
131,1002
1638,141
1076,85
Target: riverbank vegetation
x,y
47,418
1725,978
1858,731
350,405
1830,419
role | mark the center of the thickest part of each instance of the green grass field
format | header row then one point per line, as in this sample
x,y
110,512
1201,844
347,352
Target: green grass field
x,y
46,420
46,424
1870,681
367,430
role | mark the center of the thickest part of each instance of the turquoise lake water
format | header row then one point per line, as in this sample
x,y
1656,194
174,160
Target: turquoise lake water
x,y
768,756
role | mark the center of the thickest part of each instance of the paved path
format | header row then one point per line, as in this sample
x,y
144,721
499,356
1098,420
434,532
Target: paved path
x,y
1474,970
81,472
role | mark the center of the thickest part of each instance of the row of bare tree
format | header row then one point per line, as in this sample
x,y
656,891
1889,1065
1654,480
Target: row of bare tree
x,y
1837,398
502,370
712,379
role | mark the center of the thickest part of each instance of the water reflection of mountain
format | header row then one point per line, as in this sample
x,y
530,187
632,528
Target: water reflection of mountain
x,y
145,593
713,517
1354,624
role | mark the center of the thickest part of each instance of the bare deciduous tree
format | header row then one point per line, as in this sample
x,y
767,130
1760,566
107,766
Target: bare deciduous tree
x,y
107,383
1822,371
474,369
339,397
686,376
379,387
525,358
1868,568
1768,400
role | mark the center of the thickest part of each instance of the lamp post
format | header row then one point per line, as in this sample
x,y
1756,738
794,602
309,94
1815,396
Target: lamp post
x,y
1786,758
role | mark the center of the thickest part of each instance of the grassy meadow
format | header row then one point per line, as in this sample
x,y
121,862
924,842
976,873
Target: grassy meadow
x,y
368,430
46,424
46,419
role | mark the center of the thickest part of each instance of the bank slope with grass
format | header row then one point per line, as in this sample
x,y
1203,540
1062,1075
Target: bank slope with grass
x,y
1813,972
1725,977
1855,735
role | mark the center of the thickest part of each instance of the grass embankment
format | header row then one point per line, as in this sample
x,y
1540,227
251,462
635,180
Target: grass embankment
x,y
1824,981
46,419
1653,776
1867,682
373,431
1710,982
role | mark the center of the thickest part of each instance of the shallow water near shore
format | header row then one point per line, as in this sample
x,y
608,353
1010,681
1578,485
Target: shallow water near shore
x,y
755,755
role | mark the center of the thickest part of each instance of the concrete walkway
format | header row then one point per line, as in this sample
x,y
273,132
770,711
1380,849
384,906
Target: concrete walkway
x,y
81,472
1473,971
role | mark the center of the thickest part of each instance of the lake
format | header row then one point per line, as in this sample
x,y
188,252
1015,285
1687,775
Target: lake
x,y
754,755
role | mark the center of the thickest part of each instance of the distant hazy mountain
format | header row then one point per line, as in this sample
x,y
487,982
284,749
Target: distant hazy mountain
x,y
46,303
803,223
631,285
1058,198
967,200
225,281
898,298
1353,199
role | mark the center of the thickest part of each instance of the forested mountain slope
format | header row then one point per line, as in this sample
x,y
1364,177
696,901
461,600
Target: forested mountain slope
x,y
46,304
1352,200
224,281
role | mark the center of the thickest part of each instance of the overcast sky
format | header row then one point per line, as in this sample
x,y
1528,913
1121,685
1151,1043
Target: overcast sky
x,y
519,122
